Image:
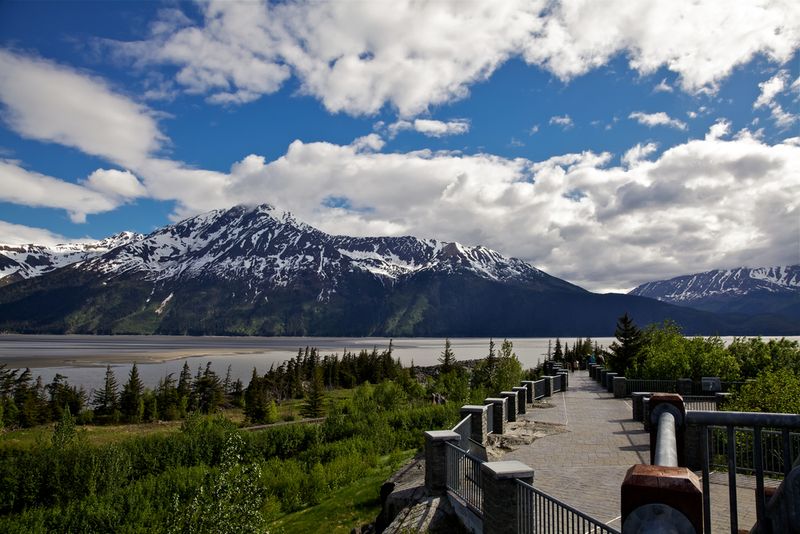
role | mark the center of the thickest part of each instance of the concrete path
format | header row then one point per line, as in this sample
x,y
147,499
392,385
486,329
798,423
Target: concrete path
x,y
585,466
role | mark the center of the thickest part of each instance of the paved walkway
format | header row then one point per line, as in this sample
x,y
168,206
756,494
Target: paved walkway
x,y
585,466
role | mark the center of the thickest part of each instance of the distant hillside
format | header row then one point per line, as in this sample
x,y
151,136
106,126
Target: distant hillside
x,y
258,270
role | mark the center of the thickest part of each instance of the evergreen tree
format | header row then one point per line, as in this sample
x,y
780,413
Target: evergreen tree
x,y
447,359
315,399
256,399
167,399
64,431
208,388
184,389
558,353
625,349
106,400
131,401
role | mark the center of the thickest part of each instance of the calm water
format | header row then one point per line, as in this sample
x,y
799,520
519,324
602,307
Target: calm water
x,y
83,358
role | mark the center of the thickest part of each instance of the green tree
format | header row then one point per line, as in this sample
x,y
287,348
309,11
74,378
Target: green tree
x,y
314,405
625,350
64,430
508,371
558,352
131,400
106,399
256,399
772,391
447,359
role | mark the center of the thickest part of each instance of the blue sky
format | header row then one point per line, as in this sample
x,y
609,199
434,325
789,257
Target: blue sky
x,y
608,143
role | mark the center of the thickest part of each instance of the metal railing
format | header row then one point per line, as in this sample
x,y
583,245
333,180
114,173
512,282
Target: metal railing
x,y
772,447
733,423
557,383
538,389
640,384
700,403
538,513
464,477
490,419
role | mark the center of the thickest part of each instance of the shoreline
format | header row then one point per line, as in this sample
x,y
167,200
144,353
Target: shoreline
x,y
140,358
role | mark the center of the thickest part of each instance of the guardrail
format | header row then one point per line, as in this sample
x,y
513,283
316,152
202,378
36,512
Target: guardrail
x,y
538,389
464,477
733,422
773,446
540,512
661,386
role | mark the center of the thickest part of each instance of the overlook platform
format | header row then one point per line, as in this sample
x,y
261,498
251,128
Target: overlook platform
x,y
585,465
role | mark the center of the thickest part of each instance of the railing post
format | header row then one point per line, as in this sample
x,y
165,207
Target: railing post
x,y
500,507
637,403
721,399
564,380
661,499
522,397
478,421
512,404
500,406
548,386
620,387
684,386
609,382
436,458
529,384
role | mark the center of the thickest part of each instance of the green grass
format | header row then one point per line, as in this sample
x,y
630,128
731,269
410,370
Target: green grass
x,y
349,507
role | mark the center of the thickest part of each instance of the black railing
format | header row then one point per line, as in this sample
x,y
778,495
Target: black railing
x,y
538,512
734,424
557,383
538,389
464,477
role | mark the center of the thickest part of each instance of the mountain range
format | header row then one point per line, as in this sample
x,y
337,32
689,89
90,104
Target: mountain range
x,y
260,271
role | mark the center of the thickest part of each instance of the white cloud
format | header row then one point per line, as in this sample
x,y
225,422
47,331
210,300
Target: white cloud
x,y
427,127
638,153
357,57
657,119
21,186
770,90
53,103
533,129
718,130
113,182
565,121
663,87
18,234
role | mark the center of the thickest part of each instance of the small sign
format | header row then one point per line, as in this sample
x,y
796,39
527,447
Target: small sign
x,y
711,384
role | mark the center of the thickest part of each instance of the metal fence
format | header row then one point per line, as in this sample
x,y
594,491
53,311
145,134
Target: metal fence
x,y
733,425
464,477
538,389
557,383
700,403
772,448
539,513
490,418
640,384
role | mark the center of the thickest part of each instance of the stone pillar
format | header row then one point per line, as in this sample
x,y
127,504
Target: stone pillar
x,y
511,412
529,384
436,458
500,494
609,382
684,386
548,386
620,387
603,373
564,380
500,406
646,413
637,401
661,499
591,367
522,397
692,446
478,421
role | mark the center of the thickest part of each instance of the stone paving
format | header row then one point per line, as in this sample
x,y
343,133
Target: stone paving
x,y
585,466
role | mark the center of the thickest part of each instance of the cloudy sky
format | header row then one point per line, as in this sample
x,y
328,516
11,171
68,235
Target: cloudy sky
x,y
607,142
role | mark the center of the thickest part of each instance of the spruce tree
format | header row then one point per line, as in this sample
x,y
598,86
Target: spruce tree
x,y
447,359
131,401
315,399
629,341
558,354
106,400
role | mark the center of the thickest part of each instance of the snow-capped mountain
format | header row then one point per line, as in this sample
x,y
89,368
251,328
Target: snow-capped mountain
x,y
259,270
742,290
270,248
19,262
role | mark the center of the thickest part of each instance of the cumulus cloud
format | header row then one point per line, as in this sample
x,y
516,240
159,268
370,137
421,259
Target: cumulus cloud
x,y
770,90
357,57
657,119
565,121
21,186
638,153
18,234
429,127
50,102
117,183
